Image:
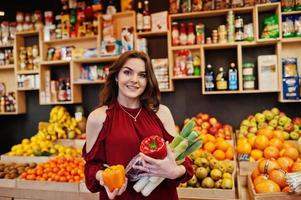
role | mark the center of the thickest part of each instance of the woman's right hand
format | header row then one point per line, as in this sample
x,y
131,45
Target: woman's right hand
x,y
115,192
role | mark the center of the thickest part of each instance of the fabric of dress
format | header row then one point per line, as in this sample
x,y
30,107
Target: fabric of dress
x,y
118,142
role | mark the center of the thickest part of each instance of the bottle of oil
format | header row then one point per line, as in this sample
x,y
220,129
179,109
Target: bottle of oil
x,y
209,78
232,80
221,83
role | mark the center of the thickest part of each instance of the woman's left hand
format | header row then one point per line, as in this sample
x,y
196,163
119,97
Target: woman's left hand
x,y
166,167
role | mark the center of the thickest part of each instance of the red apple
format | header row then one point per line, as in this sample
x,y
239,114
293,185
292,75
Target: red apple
x,y
218,125
297,120
199,115
205,125
212,130
228,127
212,121
199,121
220,134
205,117
204,131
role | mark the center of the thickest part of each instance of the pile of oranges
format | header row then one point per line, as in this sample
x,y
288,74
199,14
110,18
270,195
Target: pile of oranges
x,y
218,147
269,176
267,144
60,169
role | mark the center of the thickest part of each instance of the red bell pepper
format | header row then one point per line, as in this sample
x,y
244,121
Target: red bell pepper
x,y
154,146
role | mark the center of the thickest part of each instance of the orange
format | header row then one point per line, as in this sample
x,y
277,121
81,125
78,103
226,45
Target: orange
x,y
265,166
256,154
261,142
291,152
242,141
219,154
271,152
244,148
276,142
251,140
219,139
260,179
296,167
223,145
267,186
211,138
266,132
287,189
230,153
285,163
209,147
288,143
278,176
255,173
278,134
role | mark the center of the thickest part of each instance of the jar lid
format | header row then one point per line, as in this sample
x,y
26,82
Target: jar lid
x,y
249,78
248,64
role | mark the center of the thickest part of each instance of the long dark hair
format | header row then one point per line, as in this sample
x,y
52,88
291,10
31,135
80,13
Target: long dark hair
x,y
149,99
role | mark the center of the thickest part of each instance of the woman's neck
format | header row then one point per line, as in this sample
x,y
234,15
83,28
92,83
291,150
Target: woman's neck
x,y
129,103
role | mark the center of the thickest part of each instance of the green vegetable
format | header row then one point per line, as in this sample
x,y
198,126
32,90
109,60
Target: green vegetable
x,y
192,137
176,141
187,128
190,149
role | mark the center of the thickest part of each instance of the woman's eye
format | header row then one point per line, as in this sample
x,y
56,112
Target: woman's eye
x,y
143,75
126,72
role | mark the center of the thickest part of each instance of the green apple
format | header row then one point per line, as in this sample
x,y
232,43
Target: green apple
x,y
260,117
280,128
296,128
262,125
253,129
273,123
286,135
294,135
245,122
269,115
283,120
275,111
249,135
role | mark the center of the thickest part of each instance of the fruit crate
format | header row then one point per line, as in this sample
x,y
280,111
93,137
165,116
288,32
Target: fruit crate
x,y
269,196
84,193
77,143
47,185
24,159
246,167
8,183
210,193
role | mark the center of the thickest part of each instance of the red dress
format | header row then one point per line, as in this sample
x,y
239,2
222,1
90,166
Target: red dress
x,y
118,142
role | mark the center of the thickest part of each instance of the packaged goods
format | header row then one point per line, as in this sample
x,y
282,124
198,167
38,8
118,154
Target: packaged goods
x,y
271,28
248,32
233,77
267,72
127,38
174,6
186,6
200,33
297,4
175,34
288,29
249,2
291,88
298,25
249,82
197,5
159,21
287,5
237,3
221,83
289,66
208,5
248,69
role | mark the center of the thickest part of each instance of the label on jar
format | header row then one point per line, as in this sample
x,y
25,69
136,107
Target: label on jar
x,y
247,71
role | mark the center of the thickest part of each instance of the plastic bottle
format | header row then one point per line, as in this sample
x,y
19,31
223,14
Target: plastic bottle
x,y
209,78
233,79
221,83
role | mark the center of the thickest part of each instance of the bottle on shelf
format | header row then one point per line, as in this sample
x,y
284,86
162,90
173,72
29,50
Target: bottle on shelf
x,y
183,35
221,83
175,34
62,93
146,17
209,78
190,35
68,90
233,78
139,17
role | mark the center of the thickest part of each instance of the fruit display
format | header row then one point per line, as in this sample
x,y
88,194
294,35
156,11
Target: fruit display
x,y
210,172
267,143
274,120
270,174
59,169
207,124
14,170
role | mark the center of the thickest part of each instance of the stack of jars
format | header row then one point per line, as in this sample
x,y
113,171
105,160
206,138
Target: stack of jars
x,y
230,26
222,34
248,76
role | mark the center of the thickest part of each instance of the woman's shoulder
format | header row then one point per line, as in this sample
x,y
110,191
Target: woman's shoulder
x,y
98,115
163,112
166,118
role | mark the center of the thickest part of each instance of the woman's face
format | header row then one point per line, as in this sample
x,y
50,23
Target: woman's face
x,y
132,78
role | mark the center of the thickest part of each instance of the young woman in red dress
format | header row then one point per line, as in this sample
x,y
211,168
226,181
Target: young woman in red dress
x,y
130,111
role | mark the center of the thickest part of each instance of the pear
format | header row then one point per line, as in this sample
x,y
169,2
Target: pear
x,y
218,184
201,172
193,181
208,182
227,183
216,174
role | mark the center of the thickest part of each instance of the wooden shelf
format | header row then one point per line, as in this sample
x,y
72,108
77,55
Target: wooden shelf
x,y
267,7
7,45
27,89
290,100
166,90
56,62
268,41
210,13
220,45
96,60
69,40
291,13
258,91
288,40
152,34
58,103
238,91
27,72
11,113
27,33
185,47
12,66
186,77
87,82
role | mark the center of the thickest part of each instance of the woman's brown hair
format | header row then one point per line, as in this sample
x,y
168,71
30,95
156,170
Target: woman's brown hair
x,y
149,99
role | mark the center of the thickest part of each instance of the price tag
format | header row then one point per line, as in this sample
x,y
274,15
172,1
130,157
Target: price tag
x,y
244,157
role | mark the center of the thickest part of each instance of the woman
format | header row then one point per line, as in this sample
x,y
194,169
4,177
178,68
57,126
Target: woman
x,y
130,111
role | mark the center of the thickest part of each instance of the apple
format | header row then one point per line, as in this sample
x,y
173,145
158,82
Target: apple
x,y
286,135
283,120
205,125
199,121
252,130
280,128
253,124
205,117
218,125
212,121
294,135
227,126
275,111
281,114
273,123
227,132
296,128
228,137
245,122
249,135
204,131
297,121
212,130
251,118
270,127
288,127
262,125
260,117
199,115
269,115
220,133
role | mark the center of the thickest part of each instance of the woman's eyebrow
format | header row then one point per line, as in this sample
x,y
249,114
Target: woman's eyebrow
x,y
132,69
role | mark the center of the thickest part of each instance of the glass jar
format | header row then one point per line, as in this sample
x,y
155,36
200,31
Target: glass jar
x,y
175,35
